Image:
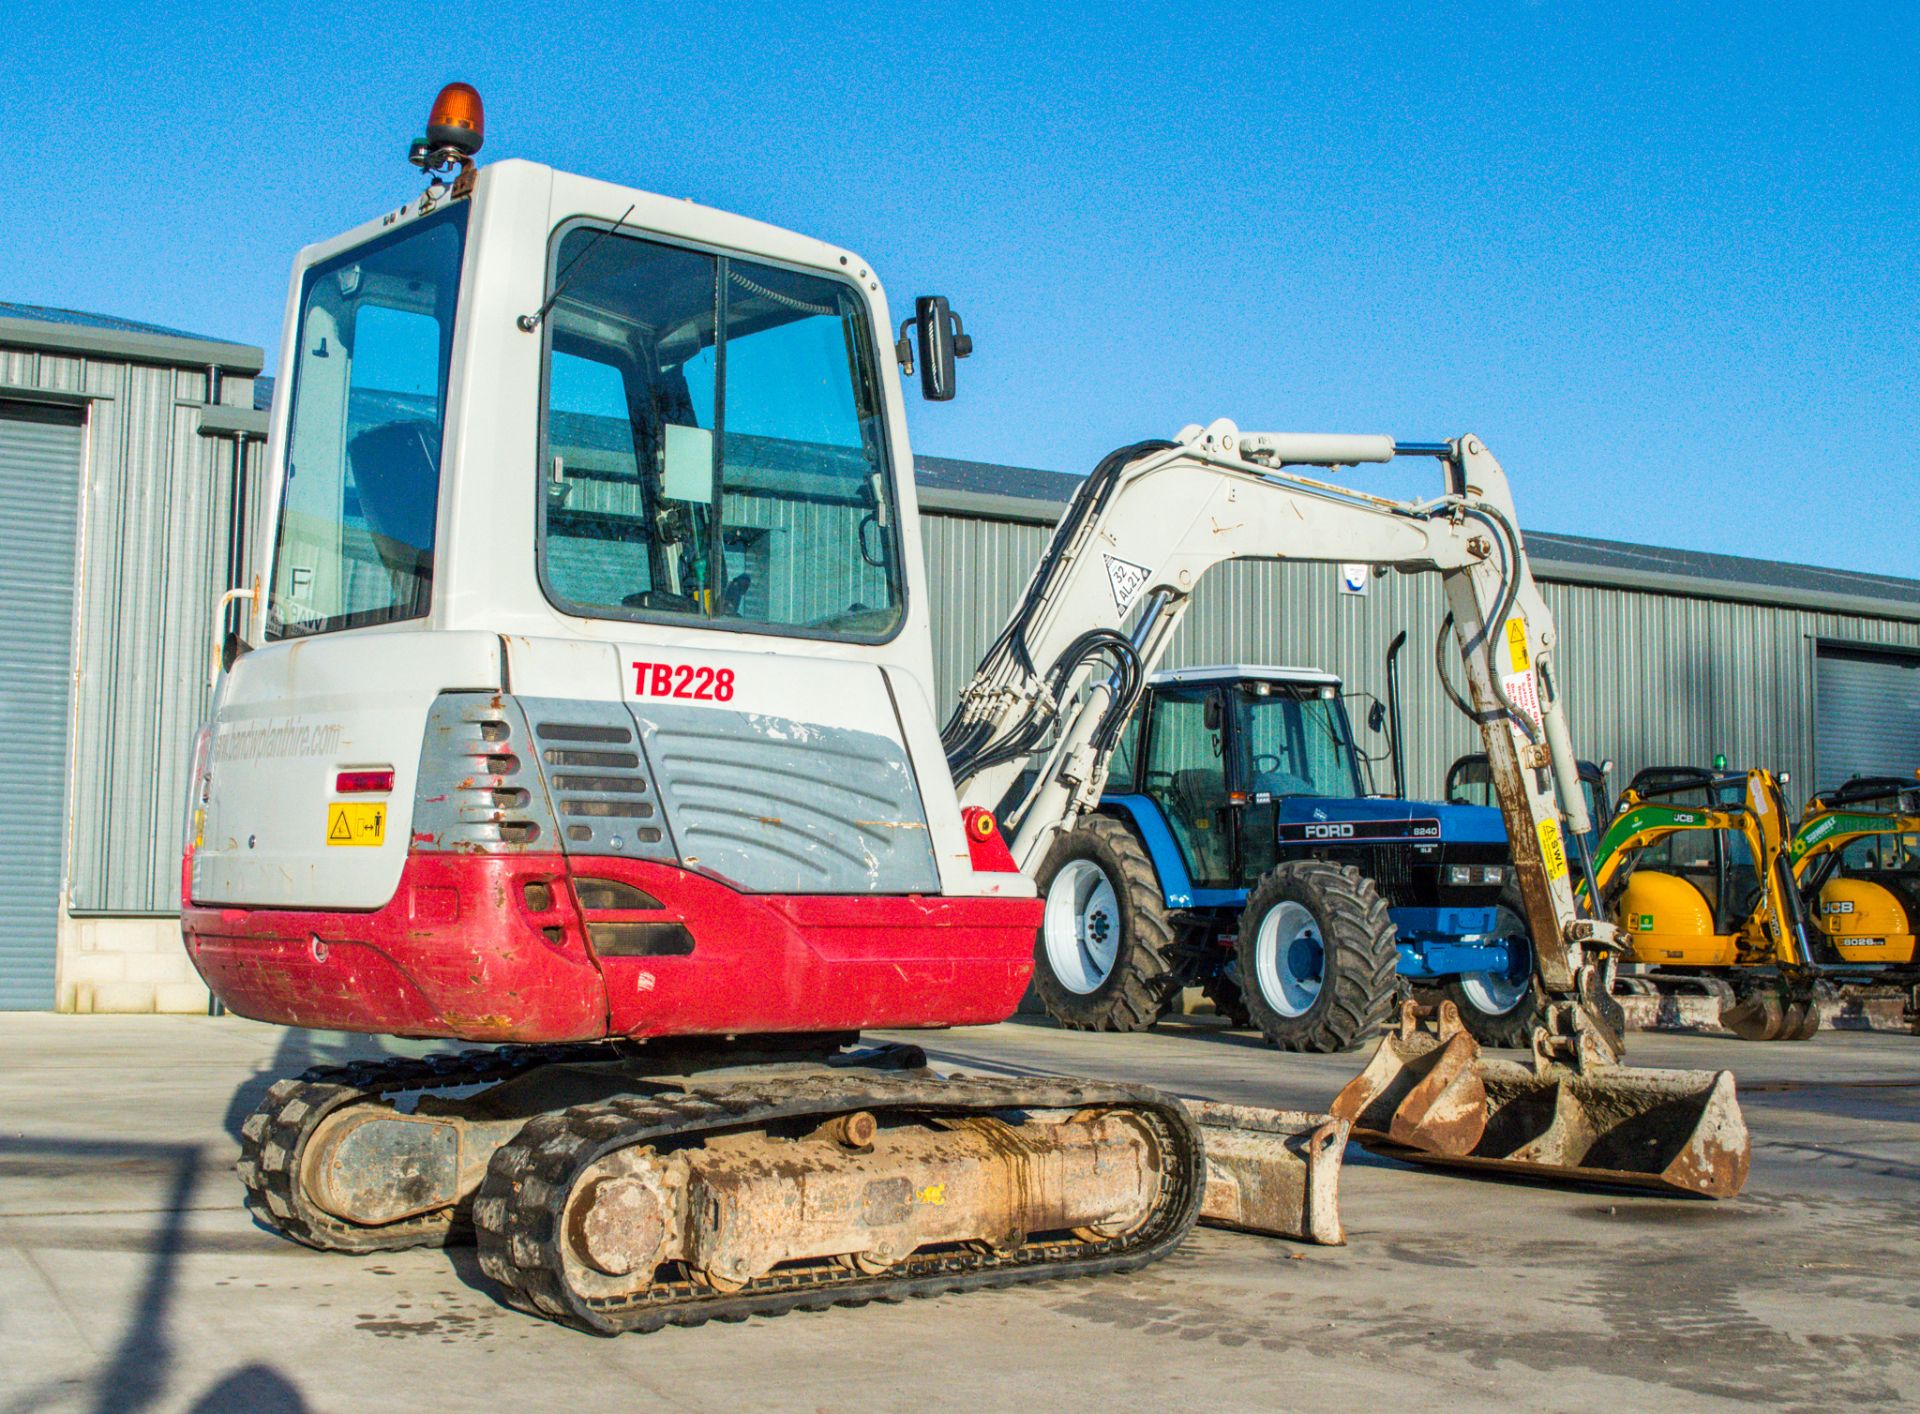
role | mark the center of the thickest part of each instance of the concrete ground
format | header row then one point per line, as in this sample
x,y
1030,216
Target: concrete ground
x,y
131,1278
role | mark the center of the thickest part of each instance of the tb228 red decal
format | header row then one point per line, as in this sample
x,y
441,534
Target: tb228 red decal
x,y
700,683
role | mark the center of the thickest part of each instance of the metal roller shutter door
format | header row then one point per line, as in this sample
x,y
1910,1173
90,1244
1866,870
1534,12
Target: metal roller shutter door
x,y
1868,715
40,452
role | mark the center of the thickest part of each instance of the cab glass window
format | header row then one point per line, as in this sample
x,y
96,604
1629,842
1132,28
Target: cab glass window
x,y
355,540
713,449
1295,743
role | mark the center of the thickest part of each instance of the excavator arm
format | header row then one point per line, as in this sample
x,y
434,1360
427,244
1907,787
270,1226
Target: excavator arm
x,y
1035,728
1118,576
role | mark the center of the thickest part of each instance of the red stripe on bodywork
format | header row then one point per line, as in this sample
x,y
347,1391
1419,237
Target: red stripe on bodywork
x,y
460,953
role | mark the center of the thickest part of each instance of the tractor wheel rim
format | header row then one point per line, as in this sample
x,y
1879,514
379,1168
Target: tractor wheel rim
x,y
1289,959
1497,993
1081,927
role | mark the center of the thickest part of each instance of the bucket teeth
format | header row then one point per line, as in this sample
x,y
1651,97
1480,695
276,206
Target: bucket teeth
x,y
1421,1090
1431,1097
1766,1014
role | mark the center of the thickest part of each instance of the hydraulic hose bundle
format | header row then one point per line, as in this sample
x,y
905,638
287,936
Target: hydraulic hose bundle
x,y
972,741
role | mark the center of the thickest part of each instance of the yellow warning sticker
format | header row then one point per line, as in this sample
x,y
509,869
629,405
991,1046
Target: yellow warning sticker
x,y
1517,643
1552,851
934,1194
356,823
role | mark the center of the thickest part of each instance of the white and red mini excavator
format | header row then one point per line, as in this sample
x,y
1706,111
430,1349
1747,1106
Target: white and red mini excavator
x,y
585,712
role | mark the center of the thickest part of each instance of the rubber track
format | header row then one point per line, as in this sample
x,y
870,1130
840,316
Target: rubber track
x,y
1365,979
274,1137
519,1212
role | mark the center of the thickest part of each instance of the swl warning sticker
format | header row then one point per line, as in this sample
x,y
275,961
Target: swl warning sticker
x,y
1552,852
356,823
1127,579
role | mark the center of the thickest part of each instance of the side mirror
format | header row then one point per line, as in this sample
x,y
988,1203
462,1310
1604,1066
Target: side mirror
x,y
941,338
1210,714
1376,718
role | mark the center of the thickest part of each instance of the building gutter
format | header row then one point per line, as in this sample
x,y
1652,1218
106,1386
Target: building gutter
x,y
62,397
172,350
1030,511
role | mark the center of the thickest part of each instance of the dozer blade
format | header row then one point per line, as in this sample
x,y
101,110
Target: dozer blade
x,y
1676,1130
1272,1171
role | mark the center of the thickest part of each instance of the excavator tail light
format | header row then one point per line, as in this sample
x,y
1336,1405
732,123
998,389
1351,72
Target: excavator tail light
x,y
363,782
457,119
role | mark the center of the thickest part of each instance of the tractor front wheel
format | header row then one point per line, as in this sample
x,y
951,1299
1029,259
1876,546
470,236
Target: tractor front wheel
x,y
1316,958
1103,959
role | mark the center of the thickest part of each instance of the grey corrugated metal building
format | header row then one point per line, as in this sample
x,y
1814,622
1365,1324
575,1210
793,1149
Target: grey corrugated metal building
x,y
118,443
118,447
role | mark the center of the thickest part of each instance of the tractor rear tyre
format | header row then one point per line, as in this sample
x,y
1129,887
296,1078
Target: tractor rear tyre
x,y
1502,1008
1316,957
1103,958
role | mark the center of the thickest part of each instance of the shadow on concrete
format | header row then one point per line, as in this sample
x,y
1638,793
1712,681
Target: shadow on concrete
x,y
252,1389
136,1374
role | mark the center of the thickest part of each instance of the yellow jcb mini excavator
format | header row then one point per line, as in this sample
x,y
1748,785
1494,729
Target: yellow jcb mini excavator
x,y
1856,856
1731,890
586,712
1707,890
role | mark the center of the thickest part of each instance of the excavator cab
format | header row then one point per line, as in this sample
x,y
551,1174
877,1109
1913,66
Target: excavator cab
x,y
1857,853
1689,897
593,624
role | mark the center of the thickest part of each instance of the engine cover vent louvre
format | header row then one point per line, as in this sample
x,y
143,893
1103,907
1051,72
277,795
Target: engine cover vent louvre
x,y
598,778
477,789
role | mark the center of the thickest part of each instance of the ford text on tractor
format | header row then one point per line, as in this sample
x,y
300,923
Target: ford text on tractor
x,y
586,715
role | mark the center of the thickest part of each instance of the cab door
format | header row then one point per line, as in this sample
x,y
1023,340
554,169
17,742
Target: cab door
x,y
1185,772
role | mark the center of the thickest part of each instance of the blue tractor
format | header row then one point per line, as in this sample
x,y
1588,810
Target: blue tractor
x,y
1240,847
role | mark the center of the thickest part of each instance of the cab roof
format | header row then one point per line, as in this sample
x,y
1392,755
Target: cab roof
x,y
1240,672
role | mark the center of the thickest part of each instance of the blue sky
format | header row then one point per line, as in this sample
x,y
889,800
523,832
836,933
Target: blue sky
x,y
1663,257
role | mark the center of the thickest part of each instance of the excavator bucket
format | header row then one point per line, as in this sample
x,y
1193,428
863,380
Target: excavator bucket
x,y
1765,1015
1272,1171
1430,1097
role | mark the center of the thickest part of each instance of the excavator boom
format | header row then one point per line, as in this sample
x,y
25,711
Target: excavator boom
x,y
1099,614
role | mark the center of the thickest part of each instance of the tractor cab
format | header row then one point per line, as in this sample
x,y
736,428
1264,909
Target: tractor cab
x,y
1470,782
1248,764
1224,753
